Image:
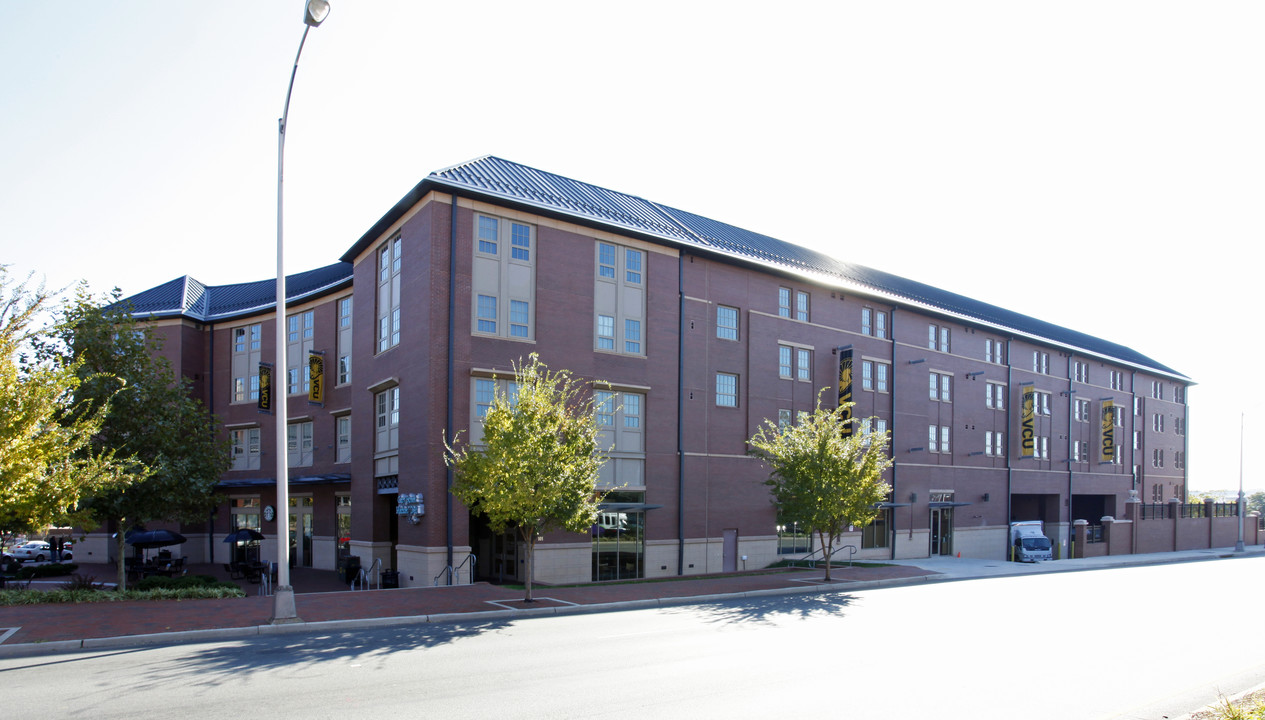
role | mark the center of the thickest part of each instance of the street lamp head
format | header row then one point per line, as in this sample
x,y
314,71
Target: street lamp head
x,y
316,12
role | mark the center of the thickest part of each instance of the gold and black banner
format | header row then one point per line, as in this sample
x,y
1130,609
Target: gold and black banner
x,y
1028,422
316,377
1108,431
265,388
845,388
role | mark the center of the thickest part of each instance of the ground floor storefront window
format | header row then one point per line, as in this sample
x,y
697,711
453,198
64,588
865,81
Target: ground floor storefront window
x,y
619,537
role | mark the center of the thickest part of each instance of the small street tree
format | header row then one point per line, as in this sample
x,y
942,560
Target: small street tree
x,y
47,462
822,478
536,468
153,421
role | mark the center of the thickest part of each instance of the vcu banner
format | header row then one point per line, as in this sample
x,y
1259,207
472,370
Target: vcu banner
x,y
1028,422
316,377
845,388
1108,431
265,388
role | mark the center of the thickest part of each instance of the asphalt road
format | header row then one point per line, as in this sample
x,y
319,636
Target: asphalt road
x,y
1144,642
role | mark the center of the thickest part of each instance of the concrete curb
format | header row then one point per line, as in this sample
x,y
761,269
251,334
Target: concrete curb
x,y
218,634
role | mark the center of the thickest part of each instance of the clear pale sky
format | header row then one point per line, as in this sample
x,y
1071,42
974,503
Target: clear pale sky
x,y
1094,164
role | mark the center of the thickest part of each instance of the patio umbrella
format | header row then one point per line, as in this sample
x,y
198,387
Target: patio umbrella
x,y
146,539
243,535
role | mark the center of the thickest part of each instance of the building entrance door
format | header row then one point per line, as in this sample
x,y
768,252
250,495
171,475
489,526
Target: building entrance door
x,y
729,554
941,523
301,531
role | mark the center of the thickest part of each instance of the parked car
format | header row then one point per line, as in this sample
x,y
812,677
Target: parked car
x,y
36,550
68,551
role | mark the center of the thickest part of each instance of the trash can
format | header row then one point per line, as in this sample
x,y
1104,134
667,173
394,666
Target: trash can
x,y
348,568
390,578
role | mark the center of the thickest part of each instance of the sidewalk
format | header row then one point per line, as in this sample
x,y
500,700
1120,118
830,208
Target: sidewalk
x,y
324,604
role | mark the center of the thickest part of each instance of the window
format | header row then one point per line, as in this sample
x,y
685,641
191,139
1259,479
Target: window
x,y
1081,410
995,396
605,332
389,280
300,330
386,442
503,280
793,539
1157,389
245,362
873,322
1080,451
485,391
1041,447
1179,460
1080,371
783,418
1040,362
801,305
938,338
1117,380
726,390
1137,406
875,535
620,420
938,438
940,387
619,299
784,302
867,374
299,443
344,340
1179,426
1179,394
880,376
1157,422
784,362
245,448
604,408
343,454
726,322
993,351
804,364
1041,403
1157,458
994,443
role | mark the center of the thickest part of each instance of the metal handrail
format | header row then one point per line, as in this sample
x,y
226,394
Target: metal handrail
x,y
812,560
362,581
455,572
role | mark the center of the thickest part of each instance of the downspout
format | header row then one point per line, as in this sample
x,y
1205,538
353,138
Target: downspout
x,y
210,408
1010,466
680,413
895,465
452,331
1071,405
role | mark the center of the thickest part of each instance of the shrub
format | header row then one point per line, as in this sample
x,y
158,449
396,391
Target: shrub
x,y
158,582
82,582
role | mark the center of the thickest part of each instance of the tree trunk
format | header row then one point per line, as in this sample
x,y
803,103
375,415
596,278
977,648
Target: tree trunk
x,y
529,538
120,548
827,548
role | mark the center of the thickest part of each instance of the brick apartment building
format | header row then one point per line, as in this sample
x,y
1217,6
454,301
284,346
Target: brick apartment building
x,y
703,331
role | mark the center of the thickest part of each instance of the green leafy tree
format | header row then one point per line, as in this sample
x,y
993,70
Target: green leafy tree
x,y
822,478
1256,501
153,420
537,467
47,462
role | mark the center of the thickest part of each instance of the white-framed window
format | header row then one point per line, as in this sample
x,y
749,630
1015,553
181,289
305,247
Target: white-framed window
x,y
344,340
938,438
619,299
726,322
1080,451
801,305
784,302
1157,458
1041,447
1040,362
938,338
726,390
1157,422
244,443
390,264
1157,389
1179,426
994,351
343,430
940,387
803,364
386,441
247,341
300,335
1041,402
873,322
1080,371
503,283
605,332
783,418
1179,394
1137,406
299,443
621,428
995,396
1117,380
1081,410
784,367
994,443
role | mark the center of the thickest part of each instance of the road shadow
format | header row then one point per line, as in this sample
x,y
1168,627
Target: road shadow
x,y
768,609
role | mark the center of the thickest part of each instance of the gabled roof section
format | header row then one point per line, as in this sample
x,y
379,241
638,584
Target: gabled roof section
x,y
186,297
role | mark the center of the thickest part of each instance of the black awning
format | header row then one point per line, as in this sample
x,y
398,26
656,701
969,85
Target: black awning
x,y
327,479
626,506
940,504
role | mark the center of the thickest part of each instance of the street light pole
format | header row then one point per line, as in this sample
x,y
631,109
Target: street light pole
x,y
1238,546
283,607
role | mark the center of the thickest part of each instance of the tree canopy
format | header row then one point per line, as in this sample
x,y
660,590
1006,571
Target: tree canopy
x,y
536,467
823,477
47,459
153,419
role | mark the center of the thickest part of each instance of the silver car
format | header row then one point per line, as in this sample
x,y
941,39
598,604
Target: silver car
x,y
36,550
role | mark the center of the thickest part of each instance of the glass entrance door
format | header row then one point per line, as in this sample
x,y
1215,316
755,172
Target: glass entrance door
x,y
301,531
941,523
